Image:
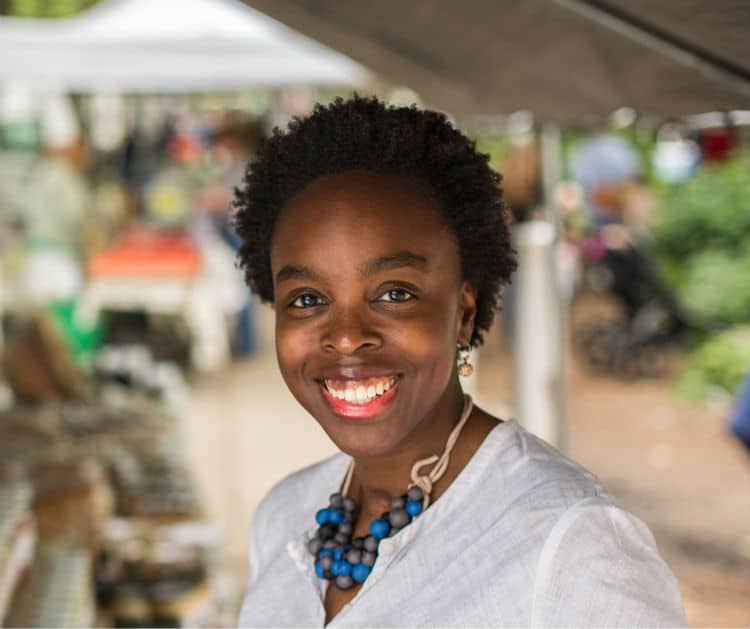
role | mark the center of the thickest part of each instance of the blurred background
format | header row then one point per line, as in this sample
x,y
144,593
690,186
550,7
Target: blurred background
x,y
142,415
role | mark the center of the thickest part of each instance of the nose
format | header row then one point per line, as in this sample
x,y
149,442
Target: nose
x,y
350,333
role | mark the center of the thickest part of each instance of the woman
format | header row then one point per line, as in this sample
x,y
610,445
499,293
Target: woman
x,y
379,236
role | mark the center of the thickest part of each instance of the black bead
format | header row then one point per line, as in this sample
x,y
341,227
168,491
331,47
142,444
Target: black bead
x,y
371,543
326,531
336,500
330,544
386,515
346,528
354,556
349,505
358,543
399,502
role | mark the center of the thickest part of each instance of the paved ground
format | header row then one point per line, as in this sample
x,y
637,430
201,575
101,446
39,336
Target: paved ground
x,y
671,464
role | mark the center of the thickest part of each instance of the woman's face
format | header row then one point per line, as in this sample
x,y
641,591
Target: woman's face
x,y
370,305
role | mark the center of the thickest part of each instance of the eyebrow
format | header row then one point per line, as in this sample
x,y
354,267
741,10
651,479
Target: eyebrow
x,y
294,272
397,260
392,261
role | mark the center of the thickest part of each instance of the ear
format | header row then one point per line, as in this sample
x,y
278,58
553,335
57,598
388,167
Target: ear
x,y
467,312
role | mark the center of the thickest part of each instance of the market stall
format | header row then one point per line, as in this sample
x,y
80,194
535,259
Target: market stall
x,y
100,520
143,46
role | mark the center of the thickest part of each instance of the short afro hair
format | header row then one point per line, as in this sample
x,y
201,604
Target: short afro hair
x,y
363,133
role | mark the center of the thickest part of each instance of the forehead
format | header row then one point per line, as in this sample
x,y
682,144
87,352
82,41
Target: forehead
x,y
362,213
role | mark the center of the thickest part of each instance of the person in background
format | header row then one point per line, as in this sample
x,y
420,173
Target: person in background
x,y
54,211
602,164
235,142
739,423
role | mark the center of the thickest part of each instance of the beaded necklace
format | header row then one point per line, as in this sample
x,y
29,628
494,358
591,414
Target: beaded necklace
x,y
345,561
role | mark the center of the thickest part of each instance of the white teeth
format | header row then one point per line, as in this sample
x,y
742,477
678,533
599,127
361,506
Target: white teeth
x,y
359,393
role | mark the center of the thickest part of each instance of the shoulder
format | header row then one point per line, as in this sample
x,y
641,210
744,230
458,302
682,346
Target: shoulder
x,y
524,487
513,492
593,562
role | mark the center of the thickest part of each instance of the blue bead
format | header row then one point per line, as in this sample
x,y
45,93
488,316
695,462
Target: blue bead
x,y
379,528
337,554
323,516
360,573
341,568
335,516
413,508
324,552
319,570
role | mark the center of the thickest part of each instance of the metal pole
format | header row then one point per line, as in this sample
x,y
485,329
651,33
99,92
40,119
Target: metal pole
x,y
538,373
551,175
541,387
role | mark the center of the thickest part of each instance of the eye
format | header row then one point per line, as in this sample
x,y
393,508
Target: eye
x,y
306,300
396,295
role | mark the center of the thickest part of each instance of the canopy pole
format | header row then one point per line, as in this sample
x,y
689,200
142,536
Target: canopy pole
x,y
661,42
540,379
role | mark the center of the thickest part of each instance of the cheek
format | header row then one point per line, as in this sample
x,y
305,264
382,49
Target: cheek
x,y
292,346
430,341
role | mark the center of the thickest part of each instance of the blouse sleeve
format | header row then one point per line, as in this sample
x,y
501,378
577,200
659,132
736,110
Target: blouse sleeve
x,y
254,559
600,567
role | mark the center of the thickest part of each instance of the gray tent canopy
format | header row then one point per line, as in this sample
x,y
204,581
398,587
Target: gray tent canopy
x,y
569,61
166,46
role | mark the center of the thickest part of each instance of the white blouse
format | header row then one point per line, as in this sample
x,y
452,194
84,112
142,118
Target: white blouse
x,y
523,537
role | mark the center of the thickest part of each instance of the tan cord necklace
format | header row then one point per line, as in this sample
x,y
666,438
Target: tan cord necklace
x,y
426,482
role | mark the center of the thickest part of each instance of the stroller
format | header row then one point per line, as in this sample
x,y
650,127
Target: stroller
x,y
653,321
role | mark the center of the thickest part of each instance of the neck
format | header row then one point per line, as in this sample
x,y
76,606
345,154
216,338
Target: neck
x,y
377,479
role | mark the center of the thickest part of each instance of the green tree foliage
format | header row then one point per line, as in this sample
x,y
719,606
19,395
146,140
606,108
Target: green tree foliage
x,y
702,240
716,284
44,8
721,361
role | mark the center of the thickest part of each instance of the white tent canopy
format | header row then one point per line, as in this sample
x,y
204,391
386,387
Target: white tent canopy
x,y
568,61
166,46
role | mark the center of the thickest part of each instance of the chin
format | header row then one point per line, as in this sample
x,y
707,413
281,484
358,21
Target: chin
x,y
361,441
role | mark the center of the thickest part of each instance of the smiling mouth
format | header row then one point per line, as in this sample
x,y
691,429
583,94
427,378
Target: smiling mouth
x,y
360,392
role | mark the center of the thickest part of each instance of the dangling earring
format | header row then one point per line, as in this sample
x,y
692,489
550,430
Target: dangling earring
x,y
465,368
